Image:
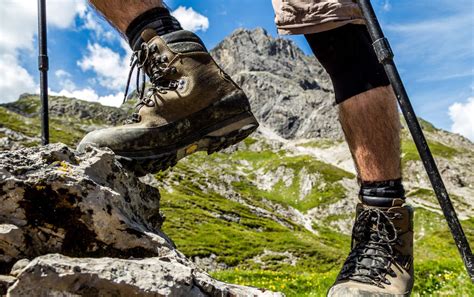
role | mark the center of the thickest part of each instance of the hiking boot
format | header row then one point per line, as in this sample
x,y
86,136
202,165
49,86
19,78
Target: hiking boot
x,y
381,260
192,105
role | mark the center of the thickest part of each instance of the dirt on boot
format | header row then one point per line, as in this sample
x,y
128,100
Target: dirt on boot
x,y
192,106
381,260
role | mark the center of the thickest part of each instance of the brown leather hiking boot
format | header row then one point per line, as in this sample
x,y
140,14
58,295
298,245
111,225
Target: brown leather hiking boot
x,y
192,106
381,260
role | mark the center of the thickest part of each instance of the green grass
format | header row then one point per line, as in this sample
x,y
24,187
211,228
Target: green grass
x,y
292,282
326,189
249,141
438,267
60,130
425,125
28,104
321,143
195,221
446,278
429,195
198,225
18,123
439,270
410,153
67,128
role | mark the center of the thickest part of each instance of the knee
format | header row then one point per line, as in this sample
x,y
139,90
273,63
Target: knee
x,y
349,58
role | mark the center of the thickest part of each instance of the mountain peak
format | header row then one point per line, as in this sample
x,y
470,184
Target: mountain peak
x,y
289,91
260,42
257,31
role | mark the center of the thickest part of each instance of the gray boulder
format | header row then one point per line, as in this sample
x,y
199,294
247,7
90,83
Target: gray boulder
x,y
57,275
90,228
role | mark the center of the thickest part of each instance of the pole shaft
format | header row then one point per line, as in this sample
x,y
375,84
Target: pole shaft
x,y
386,58
43,66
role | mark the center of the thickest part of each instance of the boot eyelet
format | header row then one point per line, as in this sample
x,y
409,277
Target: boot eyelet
x,y
149,103
181,84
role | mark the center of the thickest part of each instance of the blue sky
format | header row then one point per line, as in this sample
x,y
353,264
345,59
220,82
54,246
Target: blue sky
x,y
433,41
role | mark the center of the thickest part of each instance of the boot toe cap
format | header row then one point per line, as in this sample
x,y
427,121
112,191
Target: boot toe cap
x,y
98,138
362,290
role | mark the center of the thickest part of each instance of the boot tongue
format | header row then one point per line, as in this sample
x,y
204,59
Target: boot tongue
x,y
148,34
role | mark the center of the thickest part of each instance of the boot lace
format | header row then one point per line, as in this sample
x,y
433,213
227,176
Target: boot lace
x,y
374,236
148,60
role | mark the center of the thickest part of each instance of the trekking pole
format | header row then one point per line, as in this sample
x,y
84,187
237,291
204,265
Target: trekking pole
x,y
43,66
385,56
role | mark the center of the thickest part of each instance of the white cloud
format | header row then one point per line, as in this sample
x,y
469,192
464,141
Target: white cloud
x,y
14,79
462,115
110,67
65,81
60,73
387,6
190,19
18,26
61,13
91,23
18,20
89,94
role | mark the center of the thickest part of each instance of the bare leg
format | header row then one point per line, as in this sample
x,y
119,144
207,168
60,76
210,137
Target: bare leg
x,y
121,13
371,124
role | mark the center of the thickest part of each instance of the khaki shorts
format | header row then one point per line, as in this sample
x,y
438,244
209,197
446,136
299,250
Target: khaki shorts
x,y
313,16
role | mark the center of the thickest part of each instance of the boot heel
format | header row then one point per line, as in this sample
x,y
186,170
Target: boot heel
x,y
231,134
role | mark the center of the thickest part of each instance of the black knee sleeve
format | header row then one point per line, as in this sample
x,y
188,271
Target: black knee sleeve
x,y
381,193
350,60
158,19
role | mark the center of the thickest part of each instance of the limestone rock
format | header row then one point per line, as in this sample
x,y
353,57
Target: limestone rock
x,y
6,282
18,266
55,201
57,275
86,207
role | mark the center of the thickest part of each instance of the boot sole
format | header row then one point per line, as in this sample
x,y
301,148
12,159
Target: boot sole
x,y
211,139
363,293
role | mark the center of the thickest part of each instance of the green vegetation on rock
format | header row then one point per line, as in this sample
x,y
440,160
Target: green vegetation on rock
x,y
410,153
321,143
287,190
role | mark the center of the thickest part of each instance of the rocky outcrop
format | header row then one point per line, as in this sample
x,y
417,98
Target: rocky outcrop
x,y
160,276
67,212
14,140
288,90
63,106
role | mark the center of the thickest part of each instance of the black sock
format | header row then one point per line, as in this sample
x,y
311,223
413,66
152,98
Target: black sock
x,y
158,19
381,193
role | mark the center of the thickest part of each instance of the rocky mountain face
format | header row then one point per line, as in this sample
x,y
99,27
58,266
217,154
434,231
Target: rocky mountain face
x,y
275,211
290,92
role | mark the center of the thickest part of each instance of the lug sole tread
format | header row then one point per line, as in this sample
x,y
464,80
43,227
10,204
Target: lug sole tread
x,y
210,144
